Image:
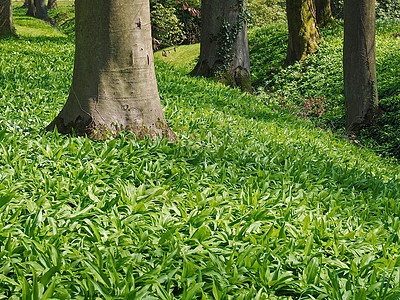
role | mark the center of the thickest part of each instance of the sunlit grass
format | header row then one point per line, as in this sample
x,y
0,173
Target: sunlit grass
x,y
31,27
182,57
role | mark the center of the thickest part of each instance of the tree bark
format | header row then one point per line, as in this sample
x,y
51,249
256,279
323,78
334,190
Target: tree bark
x,y
51,4
26,4
6,24
323,13
31,8
41,10
114,86
38,9
303,32
224,50
360,84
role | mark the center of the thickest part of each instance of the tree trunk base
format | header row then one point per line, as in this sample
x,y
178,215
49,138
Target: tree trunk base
x,y
98,131
202,69
238,77
6,23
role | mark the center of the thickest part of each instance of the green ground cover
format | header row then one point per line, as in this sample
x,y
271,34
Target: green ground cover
x,y
318,82
314,89
251,203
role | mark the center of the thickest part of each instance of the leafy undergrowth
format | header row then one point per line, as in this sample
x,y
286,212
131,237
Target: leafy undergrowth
x,y
250,204
314,89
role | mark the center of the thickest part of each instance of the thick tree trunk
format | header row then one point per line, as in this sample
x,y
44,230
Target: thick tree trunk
x,y
31,8
360,85
224,50
303,32
114,86
6,25
323,13
51,4
41,10
38,9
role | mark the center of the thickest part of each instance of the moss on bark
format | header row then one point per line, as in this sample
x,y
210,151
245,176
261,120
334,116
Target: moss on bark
x,y
303,32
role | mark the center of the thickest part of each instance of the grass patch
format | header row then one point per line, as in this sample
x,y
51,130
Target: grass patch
x,y
27,26
250,204
182,57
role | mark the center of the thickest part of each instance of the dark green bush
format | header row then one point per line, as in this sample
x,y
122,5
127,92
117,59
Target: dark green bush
x,y
337,8
388,9
187,12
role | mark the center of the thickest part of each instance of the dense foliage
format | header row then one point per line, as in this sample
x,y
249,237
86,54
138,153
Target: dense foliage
x,y
388,9
170,18
251,203
385,9
178,18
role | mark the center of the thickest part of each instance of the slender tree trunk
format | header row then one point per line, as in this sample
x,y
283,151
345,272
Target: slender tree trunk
x,y
51,4
303,32
224,49
6,24
323,13
360,85
26,4
114,86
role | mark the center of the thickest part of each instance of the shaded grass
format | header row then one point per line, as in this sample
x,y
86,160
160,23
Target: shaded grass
x,y
27,26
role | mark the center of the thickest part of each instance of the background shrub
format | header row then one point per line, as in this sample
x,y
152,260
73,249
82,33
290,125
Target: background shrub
x,y
266,11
